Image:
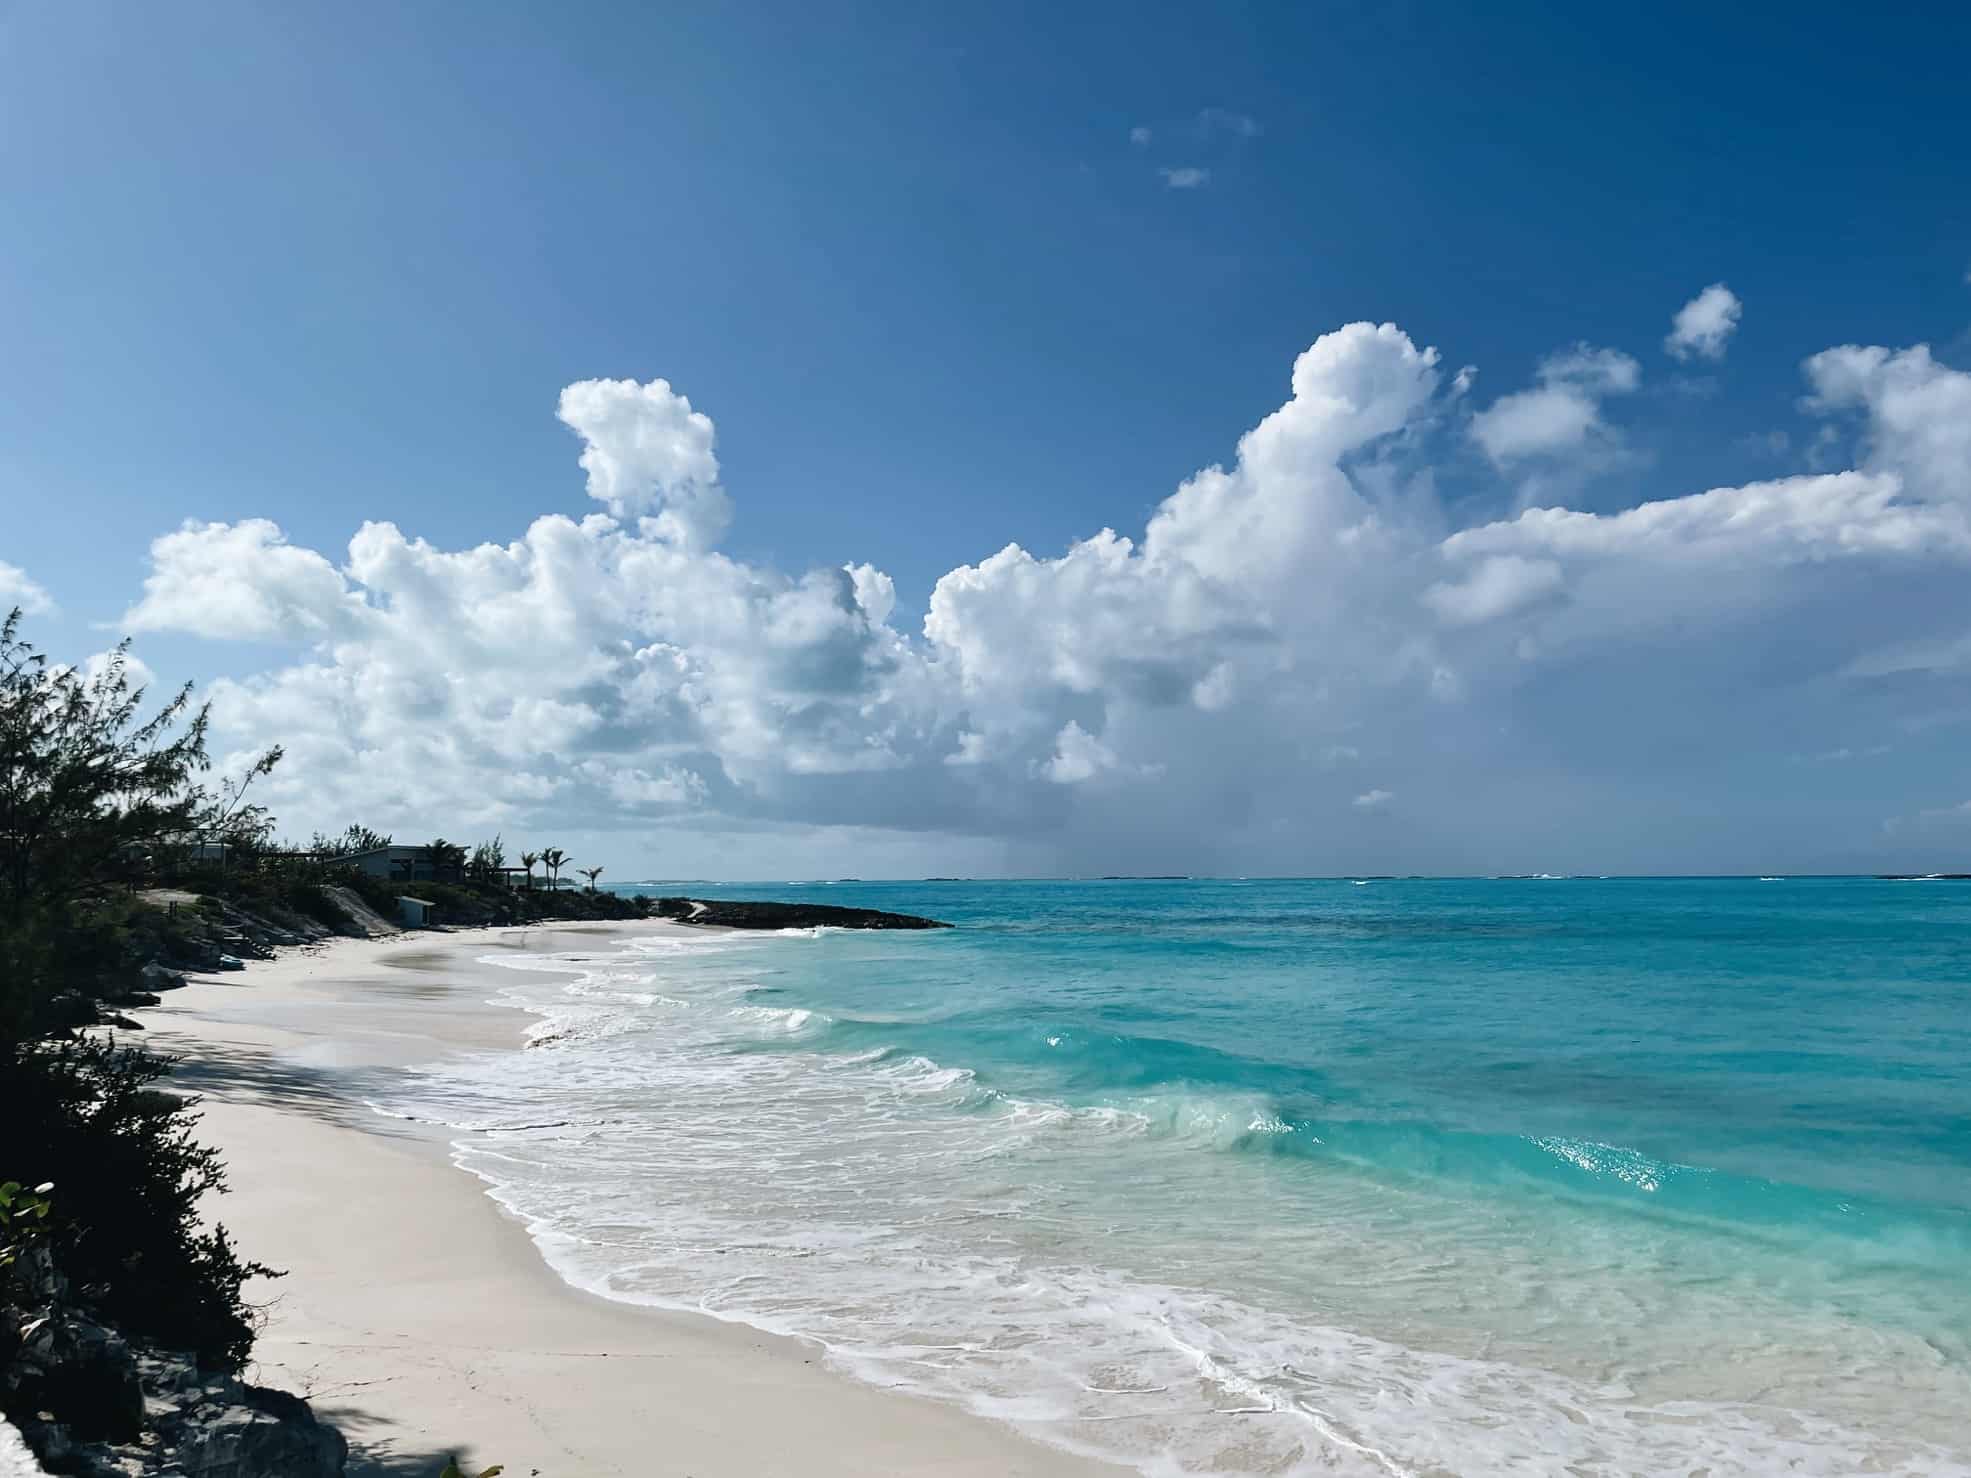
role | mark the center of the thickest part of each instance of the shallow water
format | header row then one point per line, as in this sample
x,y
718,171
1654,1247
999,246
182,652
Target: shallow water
x,y
1639,1176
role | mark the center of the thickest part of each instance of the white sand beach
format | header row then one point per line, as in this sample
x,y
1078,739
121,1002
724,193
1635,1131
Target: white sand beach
x,y
419,1317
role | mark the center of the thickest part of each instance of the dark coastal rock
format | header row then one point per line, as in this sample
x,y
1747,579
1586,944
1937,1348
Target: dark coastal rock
x,y
160,977
88,1402
159,1413
217,1427
83,1376
733,914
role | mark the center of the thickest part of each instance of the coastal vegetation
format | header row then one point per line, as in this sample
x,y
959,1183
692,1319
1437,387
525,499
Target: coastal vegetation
x,y
122,863
125,862
91,791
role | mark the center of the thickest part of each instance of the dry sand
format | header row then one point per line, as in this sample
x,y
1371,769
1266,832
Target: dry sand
x,y
418,1316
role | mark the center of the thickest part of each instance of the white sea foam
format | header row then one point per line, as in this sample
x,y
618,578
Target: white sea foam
x,y
1101,1276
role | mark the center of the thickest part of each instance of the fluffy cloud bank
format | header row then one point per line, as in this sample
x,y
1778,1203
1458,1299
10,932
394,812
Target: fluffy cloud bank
x,y
1217,692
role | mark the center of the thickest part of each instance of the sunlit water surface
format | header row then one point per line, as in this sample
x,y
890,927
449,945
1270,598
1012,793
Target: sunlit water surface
x,y
1413,1177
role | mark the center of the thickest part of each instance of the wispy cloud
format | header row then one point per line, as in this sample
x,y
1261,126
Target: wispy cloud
x,y
1775,443
16,589
1215,134
1373,800
1844,753
1225,120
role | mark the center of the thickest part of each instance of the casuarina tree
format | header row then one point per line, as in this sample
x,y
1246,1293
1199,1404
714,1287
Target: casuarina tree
x,y
91,789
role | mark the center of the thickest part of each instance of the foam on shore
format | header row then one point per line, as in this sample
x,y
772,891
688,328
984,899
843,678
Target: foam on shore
x,y
1069,1268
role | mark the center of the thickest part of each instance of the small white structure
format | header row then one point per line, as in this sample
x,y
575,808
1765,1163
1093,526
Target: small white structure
x,y
415,913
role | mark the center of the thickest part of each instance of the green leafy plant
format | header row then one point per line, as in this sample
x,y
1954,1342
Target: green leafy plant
x,y
21,1213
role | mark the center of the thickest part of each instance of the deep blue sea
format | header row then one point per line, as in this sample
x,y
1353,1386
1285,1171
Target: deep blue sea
x,y
1380,1176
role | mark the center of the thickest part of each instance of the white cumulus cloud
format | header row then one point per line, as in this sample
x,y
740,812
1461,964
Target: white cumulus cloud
x,y
243,581
1191,688
649,454
1704,325
1078,756
1919,412
1560,413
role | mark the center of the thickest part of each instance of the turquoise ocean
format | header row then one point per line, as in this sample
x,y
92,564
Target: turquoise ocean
x,y
1385,1176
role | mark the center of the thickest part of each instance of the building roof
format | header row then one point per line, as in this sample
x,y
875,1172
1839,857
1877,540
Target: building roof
x,y
373,851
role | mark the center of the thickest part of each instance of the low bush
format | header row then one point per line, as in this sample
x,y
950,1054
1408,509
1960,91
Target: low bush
x,y
313,901
83,1113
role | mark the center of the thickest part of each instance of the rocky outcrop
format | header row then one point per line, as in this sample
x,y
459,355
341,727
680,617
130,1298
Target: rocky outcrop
x,y
161,977
199,1425
734,914
88,1402
75,1381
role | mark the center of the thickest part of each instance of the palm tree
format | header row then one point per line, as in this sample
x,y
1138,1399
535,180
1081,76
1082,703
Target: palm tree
x,y
554,859
591,873
527,860
443,856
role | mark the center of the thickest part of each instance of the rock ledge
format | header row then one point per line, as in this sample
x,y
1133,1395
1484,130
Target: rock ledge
x,y
734,914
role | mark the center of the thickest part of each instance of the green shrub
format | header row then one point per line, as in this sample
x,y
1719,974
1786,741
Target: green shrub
x,y
83,1113
313,900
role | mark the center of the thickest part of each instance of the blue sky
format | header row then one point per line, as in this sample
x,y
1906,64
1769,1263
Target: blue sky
x,y
930,272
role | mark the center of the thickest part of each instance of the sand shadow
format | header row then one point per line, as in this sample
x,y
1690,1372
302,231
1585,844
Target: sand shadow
x,y
228,1072
378,1448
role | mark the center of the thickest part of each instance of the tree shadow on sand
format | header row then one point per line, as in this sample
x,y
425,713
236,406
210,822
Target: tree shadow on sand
x,y
378,1448
227,1072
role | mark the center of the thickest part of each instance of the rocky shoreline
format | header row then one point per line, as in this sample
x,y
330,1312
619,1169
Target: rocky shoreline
x,y
745,914
92,1402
